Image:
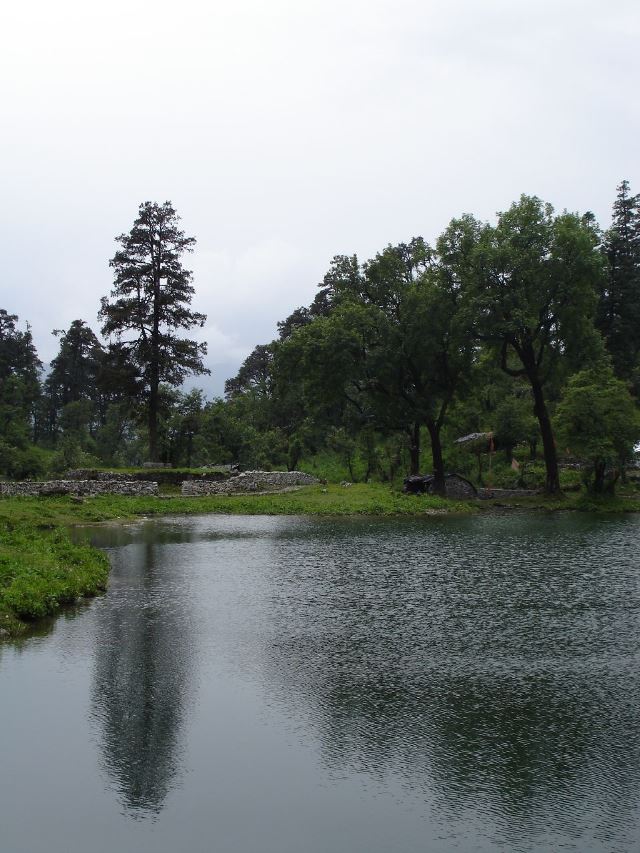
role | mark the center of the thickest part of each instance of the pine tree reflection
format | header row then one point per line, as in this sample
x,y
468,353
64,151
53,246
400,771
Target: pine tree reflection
x,y
142,671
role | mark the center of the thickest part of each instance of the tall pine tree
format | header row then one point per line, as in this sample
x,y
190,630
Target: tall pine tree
x,y
150,303
619,305
74,373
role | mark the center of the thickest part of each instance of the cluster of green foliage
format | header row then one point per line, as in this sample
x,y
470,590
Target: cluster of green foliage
x,y
513,332
483,333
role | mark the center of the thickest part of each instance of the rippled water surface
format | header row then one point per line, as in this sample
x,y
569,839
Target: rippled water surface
x,y
320,686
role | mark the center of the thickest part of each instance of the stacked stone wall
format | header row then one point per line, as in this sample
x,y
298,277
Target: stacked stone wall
x,y
85,488
90,474
168,477
249,481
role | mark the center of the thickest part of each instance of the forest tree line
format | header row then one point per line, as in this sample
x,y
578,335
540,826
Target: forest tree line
x,y
526,331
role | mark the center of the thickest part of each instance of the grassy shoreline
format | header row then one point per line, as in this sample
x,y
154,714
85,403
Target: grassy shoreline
x,y
41,570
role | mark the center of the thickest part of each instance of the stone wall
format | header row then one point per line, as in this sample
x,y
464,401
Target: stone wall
x,y
167,477
249,481
92,474
87,488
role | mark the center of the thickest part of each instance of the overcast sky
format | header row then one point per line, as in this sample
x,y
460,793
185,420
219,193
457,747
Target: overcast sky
x,y
287,132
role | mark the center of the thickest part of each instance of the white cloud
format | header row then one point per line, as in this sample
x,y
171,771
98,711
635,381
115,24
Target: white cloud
x,y
251,290
220,346
285,133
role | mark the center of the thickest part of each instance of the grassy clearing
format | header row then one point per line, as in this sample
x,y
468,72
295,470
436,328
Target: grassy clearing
x,y
369,499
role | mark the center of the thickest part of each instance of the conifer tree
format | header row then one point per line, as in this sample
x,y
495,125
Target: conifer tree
x,y
19,393
619,306
150,303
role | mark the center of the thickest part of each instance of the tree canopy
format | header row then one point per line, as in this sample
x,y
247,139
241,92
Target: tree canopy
x,y
19,395
598,421
532,282
150,303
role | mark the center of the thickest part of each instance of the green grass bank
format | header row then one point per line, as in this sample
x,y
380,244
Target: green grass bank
x,y
41,571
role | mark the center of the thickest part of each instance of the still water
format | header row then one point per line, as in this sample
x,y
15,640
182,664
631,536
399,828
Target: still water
x,y
294,685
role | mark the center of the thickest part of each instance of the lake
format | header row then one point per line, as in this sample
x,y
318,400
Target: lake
x,y
304,685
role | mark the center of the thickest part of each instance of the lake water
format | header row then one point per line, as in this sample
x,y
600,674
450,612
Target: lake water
x,y
295,685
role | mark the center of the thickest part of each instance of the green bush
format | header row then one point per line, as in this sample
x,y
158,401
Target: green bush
x,y
20,463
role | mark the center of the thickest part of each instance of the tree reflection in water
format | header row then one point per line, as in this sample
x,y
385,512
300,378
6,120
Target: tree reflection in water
x,y
501,688
141,682
487,665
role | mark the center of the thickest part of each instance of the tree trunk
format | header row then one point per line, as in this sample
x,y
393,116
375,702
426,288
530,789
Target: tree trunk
x,y
295,451
155,357
153,419
552,480
436,455
395,461
598,482
370,450
414,449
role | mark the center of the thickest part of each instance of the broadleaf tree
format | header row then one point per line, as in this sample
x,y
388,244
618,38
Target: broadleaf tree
x,y
599,421
393,346
532,283
150,303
